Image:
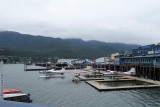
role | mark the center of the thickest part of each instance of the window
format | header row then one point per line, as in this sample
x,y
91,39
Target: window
x,y
149,60
156,60
24,97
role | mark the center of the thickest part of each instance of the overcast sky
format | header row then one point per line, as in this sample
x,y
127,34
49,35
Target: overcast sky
x,y
126,21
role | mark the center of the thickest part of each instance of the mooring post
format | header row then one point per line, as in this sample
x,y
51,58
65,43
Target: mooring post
x,y
25,66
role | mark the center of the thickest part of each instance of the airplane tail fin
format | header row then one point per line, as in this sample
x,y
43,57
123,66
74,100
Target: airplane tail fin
x,y
63,69
132,71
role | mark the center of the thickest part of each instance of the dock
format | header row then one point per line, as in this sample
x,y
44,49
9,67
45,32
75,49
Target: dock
x,y
94,77
43,69
101,87
39,69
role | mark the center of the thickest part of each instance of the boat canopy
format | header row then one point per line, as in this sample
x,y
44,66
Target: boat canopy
x,y
11,91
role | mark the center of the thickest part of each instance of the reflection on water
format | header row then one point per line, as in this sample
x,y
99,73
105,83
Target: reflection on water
x,y
62,92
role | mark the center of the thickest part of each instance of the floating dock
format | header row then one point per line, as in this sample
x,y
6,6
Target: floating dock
x,y
101,87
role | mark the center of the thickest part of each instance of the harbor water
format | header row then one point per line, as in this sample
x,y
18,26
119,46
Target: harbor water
x,y
62,92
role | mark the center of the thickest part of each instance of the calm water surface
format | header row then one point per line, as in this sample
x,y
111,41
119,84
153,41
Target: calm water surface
x,y
125,83
62,92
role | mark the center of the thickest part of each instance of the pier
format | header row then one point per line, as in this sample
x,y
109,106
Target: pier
x,y
49,67
43,69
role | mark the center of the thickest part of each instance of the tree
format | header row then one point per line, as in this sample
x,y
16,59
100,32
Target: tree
x,y
122,52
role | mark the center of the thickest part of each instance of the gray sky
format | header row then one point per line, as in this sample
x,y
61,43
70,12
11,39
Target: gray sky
x,y
126,21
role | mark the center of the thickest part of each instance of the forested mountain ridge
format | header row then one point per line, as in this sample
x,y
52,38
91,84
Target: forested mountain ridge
x,y
17,44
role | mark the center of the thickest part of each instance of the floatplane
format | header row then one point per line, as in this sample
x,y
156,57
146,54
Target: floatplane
x,y
77,73
131,72
52,72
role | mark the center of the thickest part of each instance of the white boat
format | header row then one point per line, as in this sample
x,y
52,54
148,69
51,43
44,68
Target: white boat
x,y
16,95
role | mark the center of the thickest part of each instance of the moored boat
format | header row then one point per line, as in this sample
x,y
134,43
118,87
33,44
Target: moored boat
x,y
16,95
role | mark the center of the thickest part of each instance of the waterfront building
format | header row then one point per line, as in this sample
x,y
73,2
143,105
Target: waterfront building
x,y
148,50
113,56
118,59
89,61
144,55
102,60
62,61
74,61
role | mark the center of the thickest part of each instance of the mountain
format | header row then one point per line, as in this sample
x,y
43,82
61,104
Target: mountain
x,y
17,44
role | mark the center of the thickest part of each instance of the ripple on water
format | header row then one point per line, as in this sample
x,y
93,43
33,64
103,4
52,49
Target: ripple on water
x,y
62,92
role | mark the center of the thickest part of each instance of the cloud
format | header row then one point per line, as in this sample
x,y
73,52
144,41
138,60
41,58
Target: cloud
x,y
126,21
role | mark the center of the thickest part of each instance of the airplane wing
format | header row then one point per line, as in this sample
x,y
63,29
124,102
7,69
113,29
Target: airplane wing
x,y
87,71
76,72
63,72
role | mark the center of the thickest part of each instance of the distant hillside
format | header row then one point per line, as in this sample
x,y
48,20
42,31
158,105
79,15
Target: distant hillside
x,y
18,44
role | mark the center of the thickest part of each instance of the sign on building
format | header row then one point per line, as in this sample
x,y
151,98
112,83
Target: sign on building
x,y
150,52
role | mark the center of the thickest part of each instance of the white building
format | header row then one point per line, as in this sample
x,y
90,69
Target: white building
x,y
104,60
74,61
89,61
65,60
78,61
81,61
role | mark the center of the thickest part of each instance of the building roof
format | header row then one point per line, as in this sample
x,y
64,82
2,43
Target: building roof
x,y
142,56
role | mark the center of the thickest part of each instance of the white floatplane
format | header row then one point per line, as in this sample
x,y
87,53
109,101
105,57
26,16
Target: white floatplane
x,y
77,73
131,72
52,72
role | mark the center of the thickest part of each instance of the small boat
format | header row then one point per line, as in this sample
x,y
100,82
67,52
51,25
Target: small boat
x,y
16,95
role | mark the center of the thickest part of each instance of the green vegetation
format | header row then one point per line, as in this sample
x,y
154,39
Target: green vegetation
x,y
122,52
24,45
